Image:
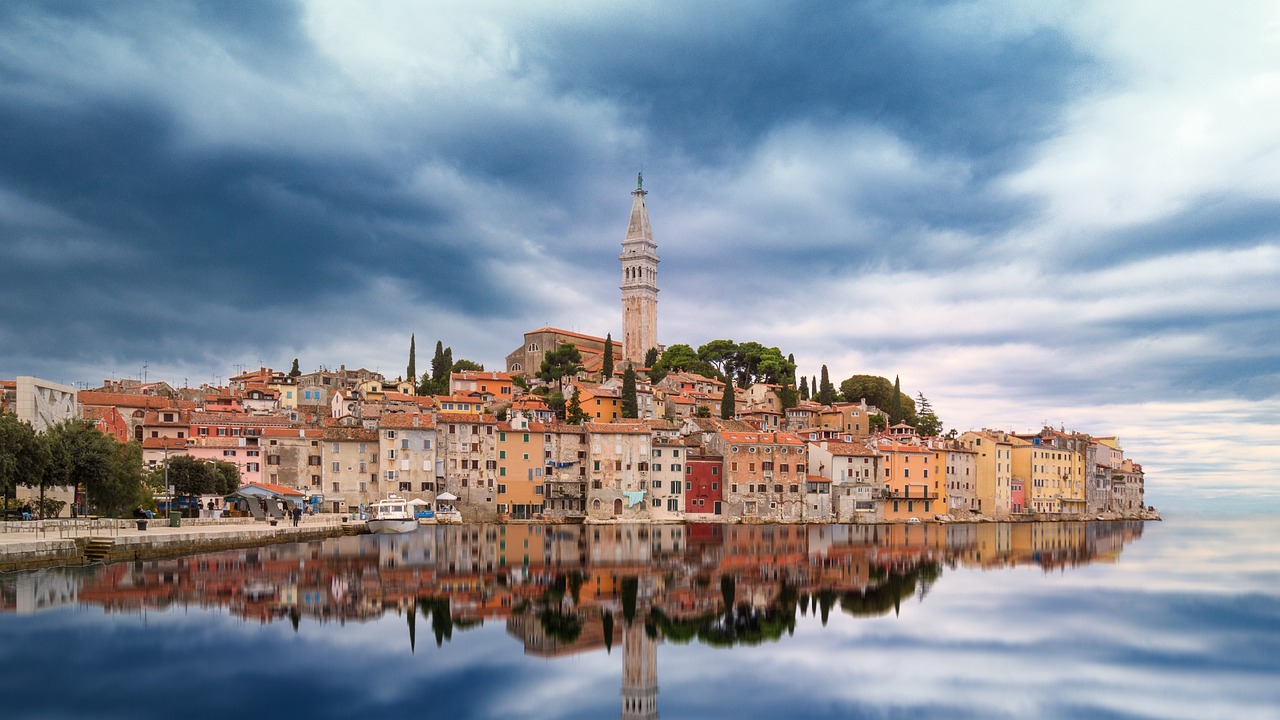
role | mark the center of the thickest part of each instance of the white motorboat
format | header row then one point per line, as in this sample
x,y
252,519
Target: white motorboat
x,y
393,515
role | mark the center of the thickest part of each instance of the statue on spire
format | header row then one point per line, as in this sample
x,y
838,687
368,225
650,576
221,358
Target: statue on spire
x,y
640,180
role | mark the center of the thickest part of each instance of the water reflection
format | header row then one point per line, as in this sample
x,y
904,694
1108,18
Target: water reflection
x,y
555,585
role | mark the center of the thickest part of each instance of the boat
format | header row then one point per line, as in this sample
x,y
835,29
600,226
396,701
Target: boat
x,y
392,515
445,511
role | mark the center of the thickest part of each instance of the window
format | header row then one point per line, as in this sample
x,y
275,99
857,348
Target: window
x,y
228,453
391,434
673,505
391,475
251,467
336,468
404,444
675,467
502,489
335,487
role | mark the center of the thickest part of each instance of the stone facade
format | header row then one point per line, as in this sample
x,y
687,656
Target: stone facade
x,y
639,260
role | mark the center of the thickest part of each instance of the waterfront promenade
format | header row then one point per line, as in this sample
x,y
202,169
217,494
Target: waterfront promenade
x,y
42,543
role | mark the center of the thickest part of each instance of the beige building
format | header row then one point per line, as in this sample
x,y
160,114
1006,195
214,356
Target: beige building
x,y
853,470
618,475
407,446
349,458
468,442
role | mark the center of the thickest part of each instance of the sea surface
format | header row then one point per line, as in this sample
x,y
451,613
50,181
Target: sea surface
x,y
1172,619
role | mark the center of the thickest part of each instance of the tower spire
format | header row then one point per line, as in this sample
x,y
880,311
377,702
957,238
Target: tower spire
x,y
639,281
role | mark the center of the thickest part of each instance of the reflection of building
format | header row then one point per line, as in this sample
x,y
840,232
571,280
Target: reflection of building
x,y
639,674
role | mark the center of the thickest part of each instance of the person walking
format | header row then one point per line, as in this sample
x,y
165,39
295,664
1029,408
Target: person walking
x,y
297,514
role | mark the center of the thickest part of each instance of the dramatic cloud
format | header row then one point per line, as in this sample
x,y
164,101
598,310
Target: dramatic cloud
x,y
1024,211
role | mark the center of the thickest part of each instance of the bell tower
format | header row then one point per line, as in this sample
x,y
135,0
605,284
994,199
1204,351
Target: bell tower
x,y
639,282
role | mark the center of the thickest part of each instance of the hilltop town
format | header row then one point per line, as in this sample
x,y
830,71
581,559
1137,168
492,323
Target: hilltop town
x,y
560,435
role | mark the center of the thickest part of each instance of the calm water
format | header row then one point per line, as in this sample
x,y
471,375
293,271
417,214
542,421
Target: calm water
x,y
1176,619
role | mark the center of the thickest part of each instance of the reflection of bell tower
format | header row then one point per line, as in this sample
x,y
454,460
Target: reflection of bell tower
x,y
639,674
639,283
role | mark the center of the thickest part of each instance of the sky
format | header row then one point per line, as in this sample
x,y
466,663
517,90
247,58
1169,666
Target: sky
x,y
1062,213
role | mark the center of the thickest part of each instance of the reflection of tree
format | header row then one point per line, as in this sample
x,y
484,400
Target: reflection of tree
x,y
630,589
560,625
558,622
894,585
437,608
606,622
736,625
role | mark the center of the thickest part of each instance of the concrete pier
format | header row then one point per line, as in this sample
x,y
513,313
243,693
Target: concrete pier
x,y
47,543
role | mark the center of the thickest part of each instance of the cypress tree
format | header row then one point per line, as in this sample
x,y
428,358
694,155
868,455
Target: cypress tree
x,y
294,371
651,357
895,403
412,371
804,387
606,365
826,391
573,410
728,401
630,404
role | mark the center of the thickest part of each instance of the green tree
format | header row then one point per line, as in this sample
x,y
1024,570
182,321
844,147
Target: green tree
x,y
630,406
573,410
813,388
412,371
826,391
804,387
874,389
190,476
788,397
728,401
651,357
703,411
564,361
464,364
24,455
895,403
295,371
606,364
226,478
721,354
927,422
123,490
681,357
877,422
79,455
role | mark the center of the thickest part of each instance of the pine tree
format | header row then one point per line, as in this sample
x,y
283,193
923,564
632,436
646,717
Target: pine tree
x,y
630,403
606,365
728,401
412,371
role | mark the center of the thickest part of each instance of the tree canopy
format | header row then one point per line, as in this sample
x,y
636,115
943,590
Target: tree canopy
x,y
24,455
878,391
565,361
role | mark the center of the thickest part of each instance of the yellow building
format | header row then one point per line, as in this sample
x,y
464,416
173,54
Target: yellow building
x,y
994,470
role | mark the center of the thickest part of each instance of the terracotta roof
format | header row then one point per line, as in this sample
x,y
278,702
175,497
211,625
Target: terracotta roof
x,y
761,438
840,448
464,417
407,421
625,427
94,397
162,442
291,432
